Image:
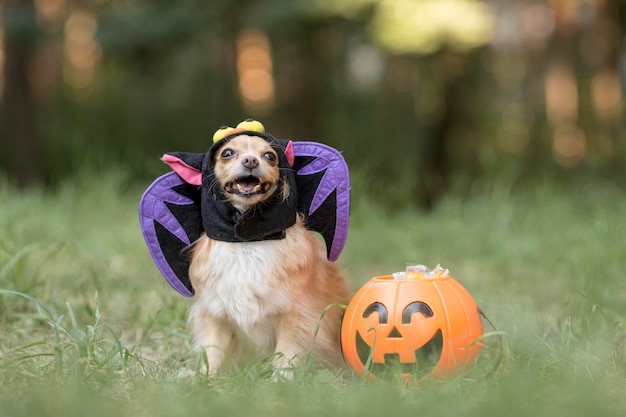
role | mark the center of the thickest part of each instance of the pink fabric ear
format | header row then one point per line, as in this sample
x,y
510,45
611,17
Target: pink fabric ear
x,y
289,153
188,173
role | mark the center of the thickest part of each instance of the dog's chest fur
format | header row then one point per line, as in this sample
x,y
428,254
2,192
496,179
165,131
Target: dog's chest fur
x,y
247,283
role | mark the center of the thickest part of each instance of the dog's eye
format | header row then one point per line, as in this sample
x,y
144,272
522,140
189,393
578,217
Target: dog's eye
x,y
270,156
228,153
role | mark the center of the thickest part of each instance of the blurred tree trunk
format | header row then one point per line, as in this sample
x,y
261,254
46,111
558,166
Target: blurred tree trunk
x,y
434,168
556,61
20,144
229,25
602,48
534,95
299,81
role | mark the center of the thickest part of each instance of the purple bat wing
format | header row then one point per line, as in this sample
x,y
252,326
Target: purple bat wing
x,y
170,220
323,182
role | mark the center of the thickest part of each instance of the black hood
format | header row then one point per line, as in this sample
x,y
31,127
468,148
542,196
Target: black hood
x,y
267,220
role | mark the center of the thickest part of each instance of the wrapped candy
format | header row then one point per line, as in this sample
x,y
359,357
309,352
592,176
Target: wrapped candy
x,y
418,271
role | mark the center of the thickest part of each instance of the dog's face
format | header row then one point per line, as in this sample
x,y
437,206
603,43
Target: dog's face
x,y
246,168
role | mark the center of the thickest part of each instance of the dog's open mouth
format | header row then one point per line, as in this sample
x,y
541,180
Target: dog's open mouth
x,y
247,186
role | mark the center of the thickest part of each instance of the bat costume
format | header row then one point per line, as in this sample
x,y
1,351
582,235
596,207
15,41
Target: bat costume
x,y
179,206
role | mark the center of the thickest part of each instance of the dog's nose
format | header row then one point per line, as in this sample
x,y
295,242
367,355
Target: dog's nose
x,y
250,162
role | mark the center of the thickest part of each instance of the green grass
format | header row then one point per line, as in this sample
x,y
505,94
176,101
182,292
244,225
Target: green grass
x,y
89,327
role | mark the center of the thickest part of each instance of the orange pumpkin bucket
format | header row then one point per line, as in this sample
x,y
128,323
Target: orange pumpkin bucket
x,y
415,325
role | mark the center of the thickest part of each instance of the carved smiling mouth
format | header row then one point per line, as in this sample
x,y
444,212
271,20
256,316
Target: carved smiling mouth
x,y
247,186
426,358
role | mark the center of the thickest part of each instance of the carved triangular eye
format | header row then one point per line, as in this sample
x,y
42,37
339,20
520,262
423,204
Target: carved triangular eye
x,y
416,307
378,308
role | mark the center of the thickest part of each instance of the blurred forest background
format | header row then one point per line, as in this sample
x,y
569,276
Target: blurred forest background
x,y
422,96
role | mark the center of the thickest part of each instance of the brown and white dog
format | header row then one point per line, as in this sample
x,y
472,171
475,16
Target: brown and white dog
x,y
267,295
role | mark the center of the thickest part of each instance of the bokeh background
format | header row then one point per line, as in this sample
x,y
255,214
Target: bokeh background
x,y
485,135
423,97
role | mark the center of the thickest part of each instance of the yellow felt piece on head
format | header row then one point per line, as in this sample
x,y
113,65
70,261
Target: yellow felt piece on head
x,y
251,124
221,133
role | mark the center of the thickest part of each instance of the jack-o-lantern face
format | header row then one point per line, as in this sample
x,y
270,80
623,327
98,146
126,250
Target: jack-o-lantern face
x,y
411,328
416,355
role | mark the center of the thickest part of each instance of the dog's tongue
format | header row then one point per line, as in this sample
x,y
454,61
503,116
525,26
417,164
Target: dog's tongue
x,y
246,186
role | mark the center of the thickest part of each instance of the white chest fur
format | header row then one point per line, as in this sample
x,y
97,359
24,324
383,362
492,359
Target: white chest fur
x,y
242,284
248,283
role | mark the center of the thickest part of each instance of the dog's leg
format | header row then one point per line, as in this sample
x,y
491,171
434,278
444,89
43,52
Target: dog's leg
x,y
215,336
216,350
293,341
298,344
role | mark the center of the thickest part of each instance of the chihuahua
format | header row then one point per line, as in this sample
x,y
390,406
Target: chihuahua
x,y
268,297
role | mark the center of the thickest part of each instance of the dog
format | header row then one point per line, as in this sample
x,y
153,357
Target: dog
x,y
264,296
